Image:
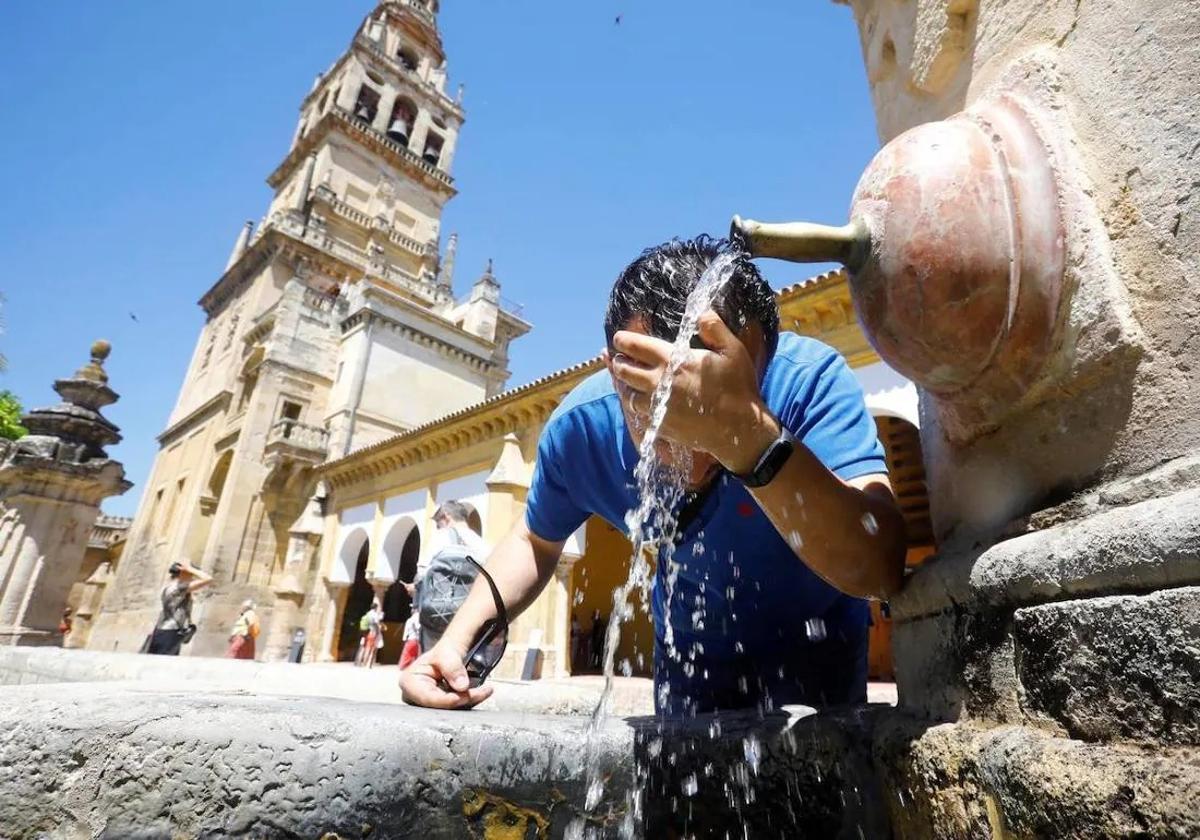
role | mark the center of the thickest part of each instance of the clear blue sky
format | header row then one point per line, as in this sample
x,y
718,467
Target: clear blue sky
x,y
136,137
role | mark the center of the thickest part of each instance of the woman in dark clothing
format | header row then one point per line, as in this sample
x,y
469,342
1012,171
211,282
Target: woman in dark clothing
x,y
176,616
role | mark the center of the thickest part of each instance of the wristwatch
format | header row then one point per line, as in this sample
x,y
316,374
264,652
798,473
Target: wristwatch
x,y
771,461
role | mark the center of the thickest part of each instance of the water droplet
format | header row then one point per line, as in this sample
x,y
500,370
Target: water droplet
x,y
795,541
815,629
594,793
697,549
869,524
753,752
690,785
626,667
654,748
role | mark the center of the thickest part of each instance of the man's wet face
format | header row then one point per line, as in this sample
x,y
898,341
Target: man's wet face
x,y
704,466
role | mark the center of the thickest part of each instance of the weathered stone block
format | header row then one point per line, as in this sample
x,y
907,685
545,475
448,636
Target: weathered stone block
x,y
957,663
88,761
1117,667
1040,786
1149,545
967,781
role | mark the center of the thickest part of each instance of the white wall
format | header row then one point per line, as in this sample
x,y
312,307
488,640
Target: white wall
x,y
888,393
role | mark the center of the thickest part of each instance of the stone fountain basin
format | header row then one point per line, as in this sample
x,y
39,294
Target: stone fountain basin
x,y
109,760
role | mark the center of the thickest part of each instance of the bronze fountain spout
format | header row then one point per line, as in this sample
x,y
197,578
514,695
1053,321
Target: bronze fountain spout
x,y
804,242
956,254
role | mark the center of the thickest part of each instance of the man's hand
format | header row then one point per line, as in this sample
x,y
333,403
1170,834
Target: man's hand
x,y
715,404
420,682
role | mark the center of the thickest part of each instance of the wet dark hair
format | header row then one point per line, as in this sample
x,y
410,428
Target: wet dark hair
x,y
656,285
175,570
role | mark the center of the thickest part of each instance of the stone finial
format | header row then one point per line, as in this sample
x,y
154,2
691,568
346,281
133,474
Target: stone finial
x,y
511,470
93,371
446,271
241,243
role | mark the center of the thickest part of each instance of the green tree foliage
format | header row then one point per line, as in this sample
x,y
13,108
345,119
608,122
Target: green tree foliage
x,y
10,416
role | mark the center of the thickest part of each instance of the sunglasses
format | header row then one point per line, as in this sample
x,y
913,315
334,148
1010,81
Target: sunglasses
x,y
488,649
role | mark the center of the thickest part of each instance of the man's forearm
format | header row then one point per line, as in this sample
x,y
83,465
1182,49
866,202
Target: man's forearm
x,y
852,537
521,565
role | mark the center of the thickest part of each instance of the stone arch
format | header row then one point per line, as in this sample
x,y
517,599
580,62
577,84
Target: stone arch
x,y
344,564
402,120
397,606
358,598
395,544
220,471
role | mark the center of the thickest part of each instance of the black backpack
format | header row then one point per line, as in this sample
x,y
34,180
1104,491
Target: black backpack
x,y
443,588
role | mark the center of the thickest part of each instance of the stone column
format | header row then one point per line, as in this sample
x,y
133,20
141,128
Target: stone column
x,y
304,538
51,484
300,199
387,101
559,631
420,130
325,647
89,605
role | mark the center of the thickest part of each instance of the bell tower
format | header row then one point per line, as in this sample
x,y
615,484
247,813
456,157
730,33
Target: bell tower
x,y
334,325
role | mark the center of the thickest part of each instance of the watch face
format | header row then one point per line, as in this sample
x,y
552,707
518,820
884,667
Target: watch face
x,y
771,461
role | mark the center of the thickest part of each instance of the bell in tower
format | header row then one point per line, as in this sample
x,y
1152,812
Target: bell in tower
x,y
398,131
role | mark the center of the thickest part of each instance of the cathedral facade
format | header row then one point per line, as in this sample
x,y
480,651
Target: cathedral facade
x,y
334,325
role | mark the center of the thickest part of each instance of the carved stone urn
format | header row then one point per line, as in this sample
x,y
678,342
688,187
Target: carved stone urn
x,y
956,256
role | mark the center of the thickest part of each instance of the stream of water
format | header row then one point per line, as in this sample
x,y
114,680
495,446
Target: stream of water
x,y
652,524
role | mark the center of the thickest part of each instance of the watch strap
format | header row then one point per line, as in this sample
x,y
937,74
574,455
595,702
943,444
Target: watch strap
x,y
771,461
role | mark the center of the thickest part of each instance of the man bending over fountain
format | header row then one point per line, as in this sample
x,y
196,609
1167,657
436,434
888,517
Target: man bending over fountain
x,y
792,519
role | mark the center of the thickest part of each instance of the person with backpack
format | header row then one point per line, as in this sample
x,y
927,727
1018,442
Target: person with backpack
x,y
174,626
245,631
441,586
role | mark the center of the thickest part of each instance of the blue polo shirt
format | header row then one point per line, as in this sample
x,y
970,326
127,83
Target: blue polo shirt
x,y
741,597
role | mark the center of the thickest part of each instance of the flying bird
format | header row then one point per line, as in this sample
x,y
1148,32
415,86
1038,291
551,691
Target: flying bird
x,y
131,315
618,20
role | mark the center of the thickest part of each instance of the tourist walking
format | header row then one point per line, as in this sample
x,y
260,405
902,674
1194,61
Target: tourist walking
x,y
374,640
64,626
788,521
579,658
245,631
596,650
174,627
412,640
